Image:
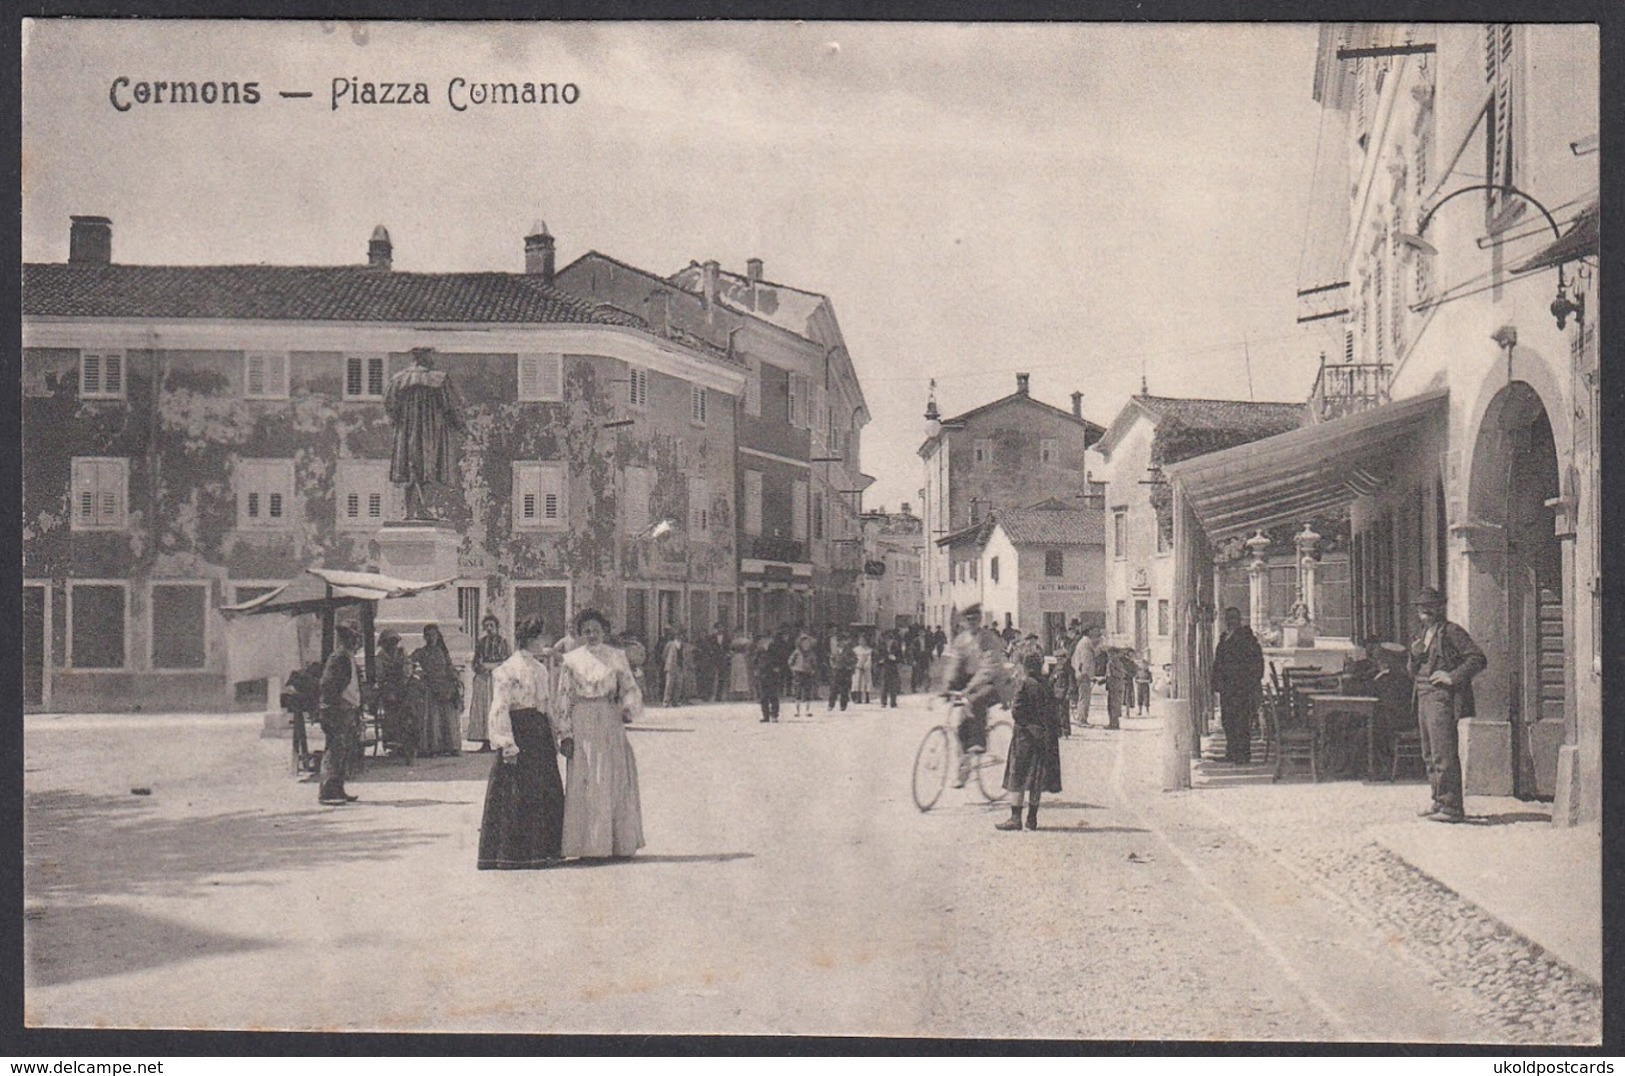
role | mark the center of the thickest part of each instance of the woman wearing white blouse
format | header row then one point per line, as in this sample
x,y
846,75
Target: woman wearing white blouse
x,y
597,696
524,798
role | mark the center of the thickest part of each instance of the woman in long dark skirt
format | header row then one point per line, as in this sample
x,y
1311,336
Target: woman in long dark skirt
x,y
523,825
1034,765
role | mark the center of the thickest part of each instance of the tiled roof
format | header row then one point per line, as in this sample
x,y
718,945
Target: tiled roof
x,y
1241,416
302,293
1052,526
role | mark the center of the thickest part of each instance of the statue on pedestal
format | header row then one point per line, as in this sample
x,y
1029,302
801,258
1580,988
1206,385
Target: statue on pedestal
x,y
423,406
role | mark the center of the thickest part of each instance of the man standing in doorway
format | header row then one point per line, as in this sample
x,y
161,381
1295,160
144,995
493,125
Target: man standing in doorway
x,y
1444,660
1238,677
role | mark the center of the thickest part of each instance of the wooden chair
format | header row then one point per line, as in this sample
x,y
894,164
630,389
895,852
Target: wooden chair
x,y
1294,736
1408,752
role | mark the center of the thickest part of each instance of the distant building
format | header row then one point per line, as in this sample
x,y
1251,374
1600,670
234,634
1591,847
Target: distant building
x,y
1011,452
799,422
1148,432
194,435
890,594
1036,569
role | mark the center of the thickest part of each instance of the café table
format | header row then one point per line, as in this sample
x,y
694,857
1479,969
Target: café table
x,y
1362,709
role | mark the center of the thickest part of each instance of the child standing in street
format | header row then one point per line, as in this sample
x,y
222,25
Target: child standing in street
x,y
863,673
1034,765
1142,682
804,673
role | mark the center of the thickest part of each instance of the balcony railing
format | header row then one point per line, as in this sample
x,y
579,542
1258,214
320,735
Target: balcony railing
x,y
1342,388
765,547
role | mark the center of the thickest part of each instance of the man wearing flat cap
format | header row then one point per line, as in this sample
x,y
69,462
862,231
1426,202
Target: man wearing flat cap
x,y
1444,659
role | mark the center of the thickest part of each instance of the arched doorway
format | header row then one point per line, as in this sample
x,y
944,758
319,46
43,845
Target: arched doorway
x,y
1515,474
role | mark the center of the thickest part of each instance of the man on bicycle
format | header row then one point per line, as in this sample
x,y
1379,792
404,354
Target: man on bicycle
x,y
974,670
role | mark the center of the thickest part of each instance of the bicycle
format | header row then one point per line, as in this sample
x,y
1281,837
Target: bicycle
x,y
939,753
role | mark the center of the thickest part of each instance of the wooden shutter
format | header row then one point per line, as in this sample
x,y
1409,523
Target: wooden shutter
x,y
753,502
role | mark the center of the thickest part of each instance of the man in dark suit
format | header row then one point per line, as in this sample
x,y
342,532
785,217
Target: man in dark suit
x,y
340,714
1238,676
1444,660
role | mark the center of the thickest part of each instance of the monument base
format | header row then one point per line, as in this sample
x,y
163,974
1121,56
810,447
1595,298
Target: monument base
x,y
423,551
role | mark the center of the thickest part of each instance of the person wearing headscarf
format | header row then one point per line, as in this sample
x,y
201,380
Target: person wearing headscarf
x,y
490,651
396,715
441,690
523,821
597,697
1034,764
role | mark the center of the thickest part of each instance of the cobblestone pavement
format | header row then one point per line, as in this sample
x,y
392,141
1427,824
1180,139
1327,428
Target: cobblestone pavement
x,y
1517,990
789,886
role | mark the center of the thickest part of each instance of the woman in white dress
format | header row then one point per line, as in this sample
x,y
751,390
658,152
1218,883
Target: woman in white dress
x,y
597,695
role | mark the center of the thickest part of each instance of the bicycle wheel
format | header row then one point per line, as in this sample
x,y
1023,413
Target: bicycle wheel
x,y
931,764
990,766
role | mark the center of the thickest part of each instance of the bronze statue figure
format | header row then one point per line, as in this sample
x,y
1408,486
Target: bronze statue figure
x,y
423,405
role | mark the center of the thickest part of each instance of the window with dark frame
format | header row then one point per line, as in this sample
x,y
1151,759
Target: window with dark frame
x,y
1054,562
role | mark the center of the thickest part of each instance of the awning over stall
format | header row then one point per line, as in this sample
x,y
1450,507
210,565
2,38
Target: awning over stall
x,y
1297,474
319,588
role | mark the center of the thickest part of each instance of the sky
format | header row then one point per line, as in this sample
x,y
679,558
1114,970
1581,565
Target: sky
x,y
1090,203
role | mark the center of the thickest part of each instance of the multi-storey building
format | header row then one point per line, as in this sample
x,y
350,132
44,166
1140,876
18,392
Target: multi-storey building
x,y
1035,569
799,424
1011,452
1139,565
1464,258
795,331
197,434
890,594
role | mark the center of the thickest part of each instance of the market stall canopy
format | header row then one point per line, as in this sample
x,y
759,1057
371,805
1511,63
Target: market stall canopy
x,y
1297,474
326,588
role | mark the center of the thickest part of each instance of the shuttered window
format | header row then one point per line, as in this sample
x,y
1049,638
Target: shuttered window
x,y
753,389
366,497
541,378
265,375
697,405
364,377
264,494
699,509
637,387
1500,129
638,486
540,496
100,493
101,375
753,502
798,510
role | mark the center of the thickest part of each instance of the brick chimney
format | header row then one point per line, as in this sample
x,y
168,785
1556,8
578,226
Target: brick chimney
x,y
90,241
380,252
905,509
1021,383
539,252
753,270
1077,405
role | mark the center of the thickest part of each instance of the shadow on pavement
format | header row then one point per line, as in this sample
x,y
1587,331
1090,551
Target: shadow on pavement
x,y
388,769
1085,831
66,943
85,846
714,857
1511,818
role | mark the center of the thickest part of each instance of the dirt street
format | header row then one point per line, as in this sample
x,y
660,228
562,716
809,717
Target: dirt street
x,y
789,886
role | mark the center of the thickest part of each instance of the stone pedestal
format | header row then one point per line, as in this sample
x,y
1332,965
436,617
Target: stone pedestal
x,y
423,551
1486,756
1566,803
